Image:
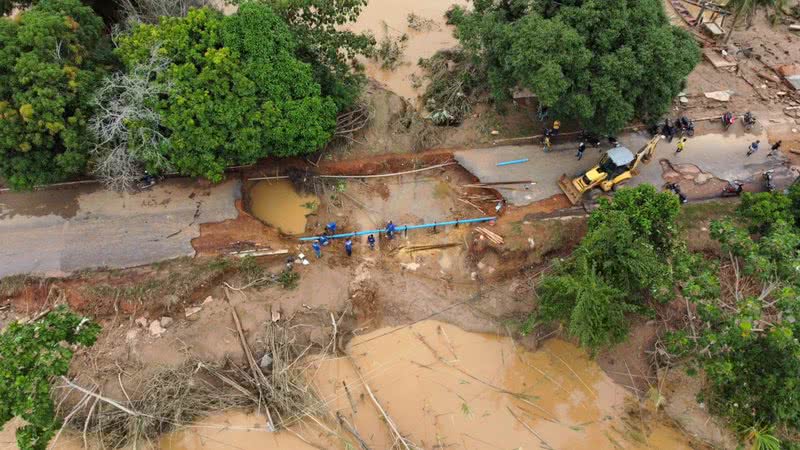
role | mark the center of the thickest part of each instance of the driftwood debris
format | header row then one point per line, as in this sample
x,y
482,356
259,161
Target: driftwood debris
x,y
389,422
492,236
258,375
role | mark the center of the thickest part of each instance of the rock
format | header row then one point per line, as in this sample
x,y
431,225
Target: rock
x,y
208,300
141,322
720,96
266,361
780,93
191,311
166,321
703,178
412,266
794,130
531,242
495,132
683,100
155,329
131,335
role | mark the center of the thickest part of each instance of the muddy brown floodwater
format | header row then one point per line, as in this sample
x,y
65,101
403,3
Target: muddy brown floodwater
x,y
391,16
278,204
447,388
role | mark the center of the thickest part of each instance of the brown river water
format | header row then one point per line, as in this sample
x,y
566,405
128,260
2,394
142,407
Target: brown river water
x,y
477,391
420,44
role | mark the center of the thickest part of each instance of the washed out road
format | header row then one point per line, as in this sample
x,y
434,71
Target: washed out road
x,y
55,232
724,156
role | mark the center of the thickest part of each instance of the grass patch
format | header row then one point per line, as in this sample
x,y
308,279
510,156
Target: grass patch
x,y
692,213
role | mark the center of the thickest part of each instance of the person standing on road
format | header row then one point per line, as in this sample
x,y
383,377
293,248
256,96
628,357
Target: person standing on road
x,y
581,149
348,247
317,249
776,147
681,145
753,148
371,242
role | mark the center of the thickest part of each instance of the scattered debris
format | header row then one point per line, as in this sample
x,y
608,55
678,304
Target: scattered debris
x,y
266,361
718,60
492,236
192,311
166,322
412,266
684,100
141,322
721,96
208,300
255,253
156,330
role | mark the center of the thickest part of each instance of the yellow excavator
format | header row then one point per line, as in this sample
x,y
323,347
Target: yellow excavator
x,y
616,167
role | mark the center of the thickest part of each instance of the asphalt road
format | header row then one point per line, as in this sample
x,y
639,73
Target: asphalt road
x,y
721,155
56,232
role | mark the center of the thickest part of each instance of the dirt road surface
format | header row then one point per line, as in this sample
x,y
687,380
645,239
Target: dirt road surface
x,y
717,155
56,232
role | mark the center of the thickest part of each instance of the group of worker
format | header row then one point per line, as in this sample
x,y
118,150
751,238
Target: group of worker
x,y
330,230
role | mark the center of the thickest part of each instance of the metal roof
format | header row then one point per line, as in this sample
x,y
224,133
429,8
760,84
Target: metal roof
x,y
620,156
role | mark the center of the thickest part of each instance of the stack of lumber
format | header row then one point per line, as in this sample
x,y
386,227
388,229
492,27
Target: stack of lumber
x,y
491,236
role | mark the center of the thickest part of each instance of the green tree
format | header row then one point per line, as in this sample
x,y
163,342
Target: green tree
x,y
236,90
748,342
323,43
51,59
629,254
601,62
30,356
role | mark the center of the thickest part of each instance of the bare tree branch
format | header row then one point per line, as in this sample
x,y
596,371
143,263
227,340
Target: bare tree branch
x,y
127,127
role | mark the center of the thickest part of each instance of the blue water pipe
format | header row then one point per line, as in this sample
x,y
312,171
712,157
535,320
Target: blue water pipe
x,y
402,228
516,161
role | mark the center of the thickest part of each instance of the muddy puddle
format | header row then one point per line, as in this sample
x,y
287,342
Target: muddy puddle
x,y
382,17
278,204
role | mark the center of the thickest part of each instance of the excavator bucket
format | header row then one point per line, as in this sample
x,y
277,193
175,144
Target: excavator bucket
x,y
568,187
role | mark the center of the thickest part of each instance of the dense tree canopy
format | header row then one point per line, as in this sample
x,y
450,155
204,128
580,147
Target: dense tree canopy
x,y
748,303
30,356
323,43
236,91
601,62
50,63
629,253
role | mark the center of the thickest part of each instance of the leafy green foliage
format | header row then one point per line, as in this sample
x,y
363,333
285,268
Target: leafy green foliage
x,y
601,62
30,355
325,44
236,91
591,309
749,310
51,59
629,253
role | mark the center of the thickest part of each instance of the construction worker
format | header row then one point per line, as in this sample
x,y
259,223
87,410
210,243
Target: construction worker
x,y
390,230
323,240
317,249
681,145
348,247
581,149
556,127
753,148
330,228
371,242
547,145
776,147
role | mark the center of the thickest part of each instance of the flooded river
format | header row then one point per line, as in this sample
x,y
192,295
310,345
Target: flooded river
x,y
278,204
447,388
382,16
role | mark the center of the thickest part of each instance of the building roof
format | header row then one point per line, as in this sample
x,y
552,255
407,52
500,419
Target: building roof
x,y
620,156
